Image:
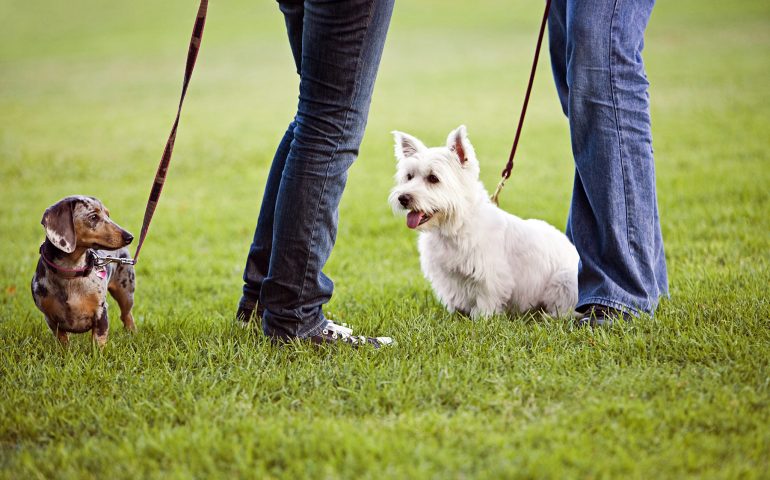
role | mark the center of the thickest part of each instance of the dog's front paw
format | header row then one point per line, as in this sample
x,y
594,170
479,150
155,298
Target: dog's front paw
x,y
477,313
457,309
483,311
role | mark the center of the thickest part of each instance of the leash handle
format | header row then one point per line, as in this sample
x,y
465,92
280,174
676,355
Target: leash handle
x,y
506,174
165,161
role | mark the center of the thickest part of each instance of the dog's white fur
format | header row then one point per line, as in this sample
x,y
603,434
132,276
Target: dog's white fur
x,y
479,259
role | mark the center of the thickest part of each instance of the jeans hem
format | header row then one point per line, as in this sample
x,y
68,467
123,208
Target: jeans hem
x,y
635,311
271,332
247,303
316,329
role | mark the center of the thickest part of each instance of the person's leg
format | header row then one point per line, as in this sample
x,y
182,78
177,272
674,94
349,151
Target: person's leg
x,y
342,44
613,218
258,260
557,47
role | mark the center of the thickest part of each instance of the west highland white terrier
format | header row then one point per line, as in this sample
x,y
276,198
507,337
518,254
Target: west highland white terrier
x,y
479,259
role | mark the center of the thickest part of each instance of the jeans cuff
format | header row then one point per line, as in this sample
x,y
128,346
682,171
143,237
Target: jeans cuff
x,y
317,328
272,327
247,303
609,303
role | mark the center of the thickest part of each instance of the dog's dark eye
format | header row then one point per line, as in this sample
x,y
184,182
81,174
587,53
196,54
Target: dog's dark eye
x,y
409,176
94,217
432,178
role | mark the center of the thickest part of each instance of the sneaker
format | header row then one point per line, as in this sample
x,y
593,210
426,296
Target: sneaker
x,y
595,315
336,333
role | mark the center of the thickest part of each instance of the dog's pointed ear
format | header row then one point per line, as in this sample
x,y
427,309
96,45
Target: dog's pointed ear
x,y
407,145
59,225
457,142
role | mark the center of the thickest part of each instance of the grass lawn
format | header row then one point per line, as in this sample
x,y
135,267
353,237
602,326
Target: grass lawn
x,y
87,93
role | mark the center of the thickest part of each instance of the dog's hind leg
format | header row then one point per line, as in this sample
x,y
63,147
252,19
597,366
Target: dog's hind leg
x,y
125,301
560,295
121,287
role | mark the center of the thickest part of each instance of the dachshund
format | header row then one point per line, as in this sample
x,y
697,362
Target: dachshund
x,y
71,281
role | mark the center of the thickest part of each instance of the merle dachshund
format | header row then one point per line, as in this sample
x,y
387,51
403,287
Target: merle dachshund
x,y
70,283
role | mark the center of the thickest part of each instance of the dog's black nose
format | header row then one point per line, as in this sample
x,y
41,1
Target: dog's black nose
x,y
404,200
127,238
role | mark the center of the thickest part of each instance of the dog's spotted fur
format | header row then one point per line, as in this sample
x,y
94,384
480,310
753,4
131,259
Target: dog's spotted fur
x,y
71,304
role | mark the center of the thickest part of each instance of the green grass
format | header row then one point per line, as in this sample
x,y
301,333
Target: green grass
x,y
87,93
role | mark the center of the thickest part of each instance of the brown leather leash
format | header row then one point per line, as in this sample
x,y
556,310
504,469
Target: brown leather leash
x,y
160,175
509,166
192,55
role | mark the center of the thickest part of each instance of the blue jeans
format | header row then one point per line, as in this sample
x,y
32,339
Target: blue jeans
x,y
613,221
337,46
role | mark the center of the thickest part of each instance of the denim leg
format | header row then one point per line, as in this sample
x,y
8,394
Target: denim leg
x,y
557,47
342,45
613,221
258,260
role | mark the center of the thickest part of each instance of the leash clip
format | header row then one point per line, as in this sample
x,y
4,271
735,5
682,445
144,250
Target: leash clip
x,y
100,261
494,197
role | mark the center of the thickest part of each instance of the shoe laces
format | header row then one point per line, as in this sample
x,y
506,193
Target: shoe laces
x,y
339,328
345,334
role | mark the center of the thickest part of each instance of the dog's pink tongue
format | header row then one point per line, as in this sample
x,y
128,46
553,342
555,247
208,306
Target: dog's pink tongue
x,y
413,219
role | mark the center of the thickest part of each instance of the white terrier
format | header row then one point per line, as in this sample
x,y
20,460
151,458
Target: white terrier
x,y
479,259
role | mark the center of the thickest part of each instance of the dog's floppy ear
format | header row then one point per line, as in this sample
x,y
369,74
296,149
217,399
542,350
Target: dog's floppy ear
x,y
457,142
59,225
406,145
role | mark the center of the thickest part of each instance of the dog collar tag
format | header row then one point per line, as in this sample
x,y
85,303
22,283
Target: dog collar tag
x,y
101,272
